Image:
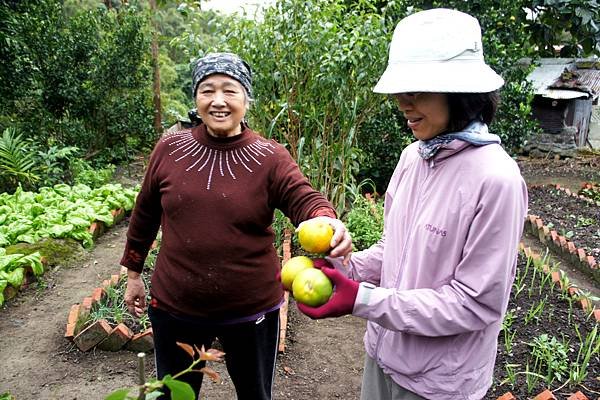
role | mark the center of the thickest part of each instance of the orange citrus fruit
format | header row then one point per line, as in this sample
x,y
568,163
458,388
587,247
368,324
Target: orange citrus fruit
x,y
312,287
315,236
292,267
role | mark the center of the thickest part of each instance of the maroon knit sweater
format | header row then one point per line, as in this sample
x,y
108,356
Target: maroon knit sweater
x,y
214,199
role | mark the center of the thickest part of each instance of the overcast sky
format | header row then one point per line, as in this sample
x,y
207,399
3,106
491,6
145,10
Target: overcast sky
x,y
231,6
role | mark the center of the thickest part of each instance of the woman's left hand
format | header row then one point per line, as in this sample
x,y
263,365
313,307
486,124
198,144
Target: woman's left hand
x,y
341,242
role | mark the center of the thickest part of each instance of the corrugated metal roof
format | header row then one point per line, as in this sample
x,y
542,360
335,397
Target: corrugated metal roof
x,y
549,71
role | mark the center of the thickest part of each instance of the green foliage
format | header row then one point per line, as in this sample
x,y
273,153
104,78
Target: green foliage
x,y
381,139
59,212
314,64
571,25
85,173
80,79
365,222
591,191
16,163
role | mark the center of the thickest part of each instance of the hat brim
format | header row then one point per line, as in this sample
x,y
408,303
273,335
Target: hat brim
x,y
441,77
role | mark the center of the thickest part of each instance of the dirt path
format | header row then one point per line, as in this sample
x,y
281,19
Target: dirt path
x,y
38,362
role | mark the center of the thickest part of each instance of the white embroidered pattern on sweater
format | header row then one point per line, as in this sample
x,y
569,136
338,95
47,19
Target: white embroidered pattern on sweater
x,y
201,156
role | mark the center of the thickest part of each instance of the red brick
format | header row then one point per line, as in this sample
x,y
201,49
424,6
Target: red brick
x,y
114,279
573,291
597,314
96,229
116,339
568,191
118,215
592,262
555,238
539,224
97,294
86,306
577,396
521,247
141,342
571,247
106,283
544,234
545,395
562,242
507,396
581,254
527,251
92,335
555,276
585,304
73,314
70,332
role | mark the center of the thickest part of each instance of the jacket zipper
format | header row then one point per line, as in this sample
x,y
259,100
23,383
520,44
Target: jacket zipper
x,y
383,331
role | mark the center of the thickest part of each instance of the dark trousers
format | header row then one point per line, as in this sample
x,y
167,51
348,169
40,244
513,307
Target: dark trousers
x,y
250,350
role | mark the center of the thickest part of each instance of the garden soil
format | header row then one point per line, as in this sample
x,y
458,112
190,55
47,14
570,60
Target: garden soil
x,y
322,359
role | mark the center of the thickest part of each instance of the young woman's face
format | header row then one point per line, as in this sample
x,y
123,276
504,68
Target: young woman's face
x,y
427,114
221,103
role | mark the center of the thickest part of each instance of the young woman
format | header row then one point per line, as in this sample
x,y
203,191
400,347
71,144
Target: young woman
x,y
435,288
213,190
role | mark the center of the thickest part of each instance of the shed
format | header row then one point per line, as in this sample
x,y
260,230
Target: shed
x,y
566,104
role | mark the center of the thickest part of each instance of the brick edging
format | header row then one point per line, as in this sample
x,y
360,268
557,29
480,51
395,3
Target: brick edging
x,y
568,192
283,311
563,246
574,292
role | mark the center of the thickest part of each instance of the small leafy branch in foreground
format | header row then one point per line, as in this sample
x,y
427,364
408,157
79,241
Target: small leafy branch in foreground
x,y
179,390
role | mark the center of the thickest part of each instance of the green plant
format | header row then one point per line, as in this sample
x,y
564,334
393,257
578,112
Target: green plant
x,y
534,312
312,101
508,334
179,390
365,222
53,163
588,347
552,356
83,172
17,163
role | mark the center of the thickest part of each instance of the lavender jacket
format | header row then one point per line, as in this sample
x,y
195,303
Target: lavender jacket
x,y
443,270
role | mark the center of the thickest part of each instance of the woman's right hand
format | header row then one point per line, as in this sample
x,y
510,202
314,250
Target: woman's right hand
x,y
135,294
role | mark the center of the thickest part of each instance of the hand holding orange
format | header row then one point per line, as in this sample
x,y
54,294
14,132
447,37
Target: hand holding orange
x,y
292,267
314,235
312,287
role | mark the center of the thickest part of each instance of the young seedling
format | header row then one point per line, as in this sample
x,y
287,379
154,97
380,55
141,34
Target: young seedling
x,y
180,390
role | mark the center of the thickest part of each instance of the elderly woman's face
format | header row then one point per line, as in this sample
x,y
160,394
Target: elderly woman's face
x,y
427,114
221,102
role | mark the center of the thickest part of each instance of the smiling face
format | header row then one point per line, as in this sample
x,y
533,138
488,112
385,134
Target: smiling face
x,y
222,103
427,114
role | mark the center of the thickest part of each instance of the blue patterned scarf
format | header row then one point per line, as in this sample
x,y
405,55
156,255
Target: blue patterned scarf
x,y
475,133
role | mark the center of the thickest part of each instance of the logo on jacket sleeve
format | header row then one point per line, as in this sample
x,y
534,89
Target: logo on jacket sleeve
x,y
435,230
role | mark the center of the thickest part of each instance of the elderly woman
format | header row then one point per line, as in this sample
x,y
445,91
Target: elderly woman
x,y
213,190
435,288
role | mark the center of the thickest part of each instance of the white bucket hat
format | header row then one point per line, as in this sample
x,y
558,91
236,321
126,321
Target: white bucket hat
x,y
440,51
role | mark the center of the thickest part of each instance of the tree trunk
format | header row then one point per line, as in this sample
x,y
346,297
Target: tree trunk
x,y
156,72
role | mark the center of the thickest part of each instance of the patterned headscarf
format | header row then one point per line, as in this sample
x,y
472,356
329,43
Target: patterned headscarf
x,y
222,63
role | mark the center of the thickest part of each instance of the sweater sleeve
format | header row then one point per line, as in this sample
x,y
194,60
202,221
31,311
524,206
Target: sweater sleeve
x,y
145,220
478,293
292,193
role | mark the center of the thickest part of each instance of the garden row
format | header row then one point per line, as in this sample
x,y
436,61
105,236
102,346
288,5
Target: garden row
x,y
35,227
549,343
568,224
